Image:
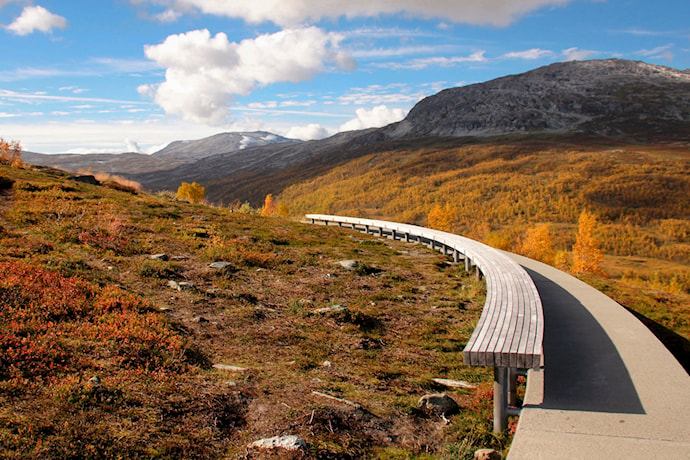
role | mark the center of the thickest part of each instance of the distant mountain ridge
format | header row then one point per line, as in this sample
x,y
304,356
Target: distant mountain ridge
x,y
175,154
613,99
219,143
603,97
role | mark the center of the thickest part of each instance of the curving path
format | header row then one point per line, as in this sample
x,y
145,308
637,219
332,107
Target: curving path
x,y
608,389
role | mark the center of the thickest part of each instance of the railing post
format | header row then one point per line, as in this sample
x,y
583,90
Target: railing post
x,y
500,399
468,264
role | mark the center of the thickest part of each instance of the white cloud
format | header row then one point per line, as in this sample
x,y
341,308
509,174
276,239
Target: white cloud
x,y
168,16
35,18
291,13
5,2
307,133
378,116
534,53
576,54
436,61
204,73
660,52
132,146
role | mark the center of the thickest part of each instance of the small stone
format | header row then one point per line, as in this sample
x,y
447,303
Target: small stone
x,y
199,319
229,368
161,256
221,266
349,264
455,383
184,285
95,381
331,309
487,454
174,285
326,364
280,442
438,404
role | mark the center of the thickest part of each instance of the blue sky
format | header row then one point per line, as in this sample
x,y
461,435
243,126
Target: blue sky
x,y
133,75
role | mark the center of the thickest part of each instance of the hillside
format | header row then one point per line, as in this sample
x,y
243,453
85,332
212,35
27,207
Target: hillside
x,y
624,101
119,338
503,190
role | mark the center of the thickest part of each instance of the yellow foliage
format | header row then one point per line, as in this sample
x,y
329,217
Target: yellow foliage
x,y
587,254
10,153
442,217
282,210
538,244
193,192
269,207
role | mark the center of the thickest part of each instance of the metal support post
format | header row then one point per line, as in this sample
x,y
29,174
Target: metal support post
x,y
500,399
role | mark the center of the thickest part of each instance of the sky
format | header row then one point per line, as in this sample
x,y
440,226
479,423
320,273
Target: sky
x,y
112,76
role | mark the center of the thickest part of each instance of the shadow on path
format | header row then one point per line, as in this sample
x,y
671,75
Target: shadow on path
x,y
583,371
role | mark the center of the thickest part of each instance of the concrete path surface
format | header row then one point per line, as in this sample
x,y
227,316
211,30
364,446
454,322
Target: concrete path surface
x,y
608,388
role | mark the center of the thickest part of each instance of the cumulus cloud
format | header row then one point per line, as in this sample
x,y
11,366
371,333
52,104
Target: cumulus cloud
x,y
35,18
373,118
203,73
307,133
291,13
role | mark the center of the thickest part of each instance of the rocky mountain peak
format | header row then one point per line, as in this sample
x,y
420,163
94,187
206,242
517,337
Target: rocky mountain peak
x,y
610,97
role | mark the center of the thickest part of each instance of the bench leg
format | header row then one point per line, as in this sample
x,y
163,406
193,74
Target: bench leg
x,y
500,399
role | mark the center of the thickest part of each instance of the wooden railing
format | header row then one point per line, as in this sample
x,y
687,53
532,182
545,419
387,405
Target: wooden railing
x,y
509,334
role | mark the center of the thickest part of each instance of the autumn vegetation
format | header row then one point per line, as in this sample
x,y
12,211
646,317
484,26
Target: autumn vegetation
x,y
107,352
192,192
615,214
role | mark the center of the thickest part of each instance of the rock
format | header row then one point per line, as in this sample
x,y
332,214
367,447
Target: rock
x,y
222,266
349,264
199,319
487,454
95,381
229,368
455,383
161,256
174,285
331,309
326,364
86,179
280,442
184,285
438,404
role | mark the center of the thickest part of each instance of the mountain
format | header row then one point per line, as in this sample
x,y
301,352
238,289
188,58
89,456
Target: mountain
x,y
220,143
619,100
602,97
177,153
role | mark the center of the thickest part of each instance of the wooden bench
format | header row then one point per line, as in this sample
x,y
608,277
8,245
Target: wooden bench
x,y
509,334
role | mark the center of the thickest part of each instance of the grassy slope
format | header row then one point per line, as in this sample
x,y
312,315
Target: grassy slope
x,y
81,298
499,189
